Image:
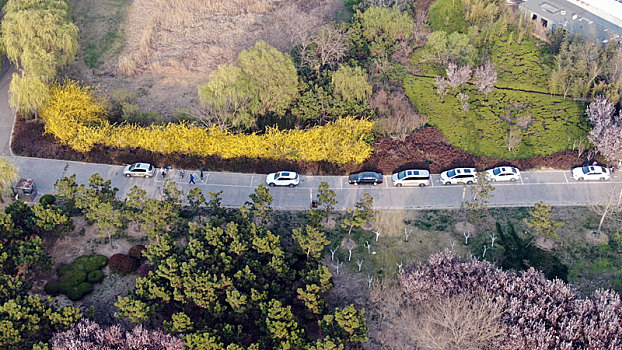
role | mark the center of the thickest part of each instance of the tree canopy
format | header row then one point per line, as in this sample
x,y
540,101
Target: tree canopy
x,y
262,80
235,285
39,37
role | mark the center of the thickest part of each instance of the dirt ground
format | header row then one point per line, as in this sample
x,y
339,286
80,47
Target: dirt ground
x,y
166,48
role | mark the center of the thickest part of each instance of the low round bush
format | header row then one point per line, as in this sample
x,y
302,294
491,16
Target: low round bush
x,y
47,199
101,260
95,276
52,288
89,263
123,263
77,292
71,279
136,251
64,268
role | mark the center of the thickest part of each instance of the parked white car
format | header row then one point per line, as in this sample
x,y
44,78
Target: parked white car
x,y
139,169
592,172
283,178
459,176
414,177
503,173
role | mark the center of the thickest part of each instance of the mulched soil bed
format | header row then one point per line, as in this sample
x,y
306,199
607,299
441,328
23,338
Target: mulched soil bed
x,y
427,148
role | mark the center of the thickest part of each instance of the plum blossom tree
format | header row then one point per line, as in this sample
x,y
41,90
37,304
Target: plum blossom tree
x,y
606,132
538,313
89,335
485,77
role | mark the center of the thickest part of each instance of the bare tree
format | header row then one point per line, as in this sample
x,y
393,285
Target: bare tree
x,y
514,138
331,44
608,209
441,86
464,101
461,322
420,26
457,76
486,77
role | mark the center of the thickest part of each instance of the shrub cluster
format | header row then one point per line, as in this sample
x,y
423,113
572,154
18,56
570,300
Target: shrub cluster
x,y
47,199
75,279
122,263
81,125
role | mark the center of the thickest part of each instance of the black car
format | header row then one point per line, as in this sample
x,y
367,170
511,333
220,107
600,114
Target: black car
x,y
366,177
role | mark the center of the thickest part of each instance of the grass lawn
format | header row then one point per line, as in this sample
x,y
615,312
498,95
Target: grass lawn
x,y
555,122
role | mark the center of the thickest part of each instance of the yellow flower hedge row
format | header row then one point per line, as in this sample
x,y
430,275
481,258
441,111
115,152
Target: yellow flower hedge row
x,y
76,117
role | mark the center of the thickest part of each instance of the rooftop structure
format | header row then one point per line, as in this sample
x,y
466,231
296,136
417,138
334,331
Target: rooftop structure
x,y
595,19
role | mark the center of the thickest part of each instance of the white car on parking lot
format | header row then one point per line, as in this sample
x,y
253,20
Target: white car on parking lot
x,y
503,173
139,169
283,178
419,178
592,172
459,176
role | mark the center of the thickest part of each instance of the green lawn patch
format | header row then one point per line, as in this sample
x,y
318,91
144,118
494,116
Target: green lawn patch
x,y
522,66
555,122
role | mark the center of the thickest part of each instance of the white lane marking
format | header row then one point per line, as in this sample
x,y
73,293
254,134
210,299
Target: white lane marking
x,y
521,180
341,184
386,182
311,194
564,173
252,178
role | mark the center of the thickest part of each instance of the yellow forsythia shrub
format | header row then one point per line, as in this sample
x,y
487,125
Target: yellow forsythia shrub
x,y
76,117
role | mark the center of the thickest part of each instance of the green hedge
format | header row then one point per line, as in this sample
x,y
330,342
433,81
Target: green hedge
x,y
480,131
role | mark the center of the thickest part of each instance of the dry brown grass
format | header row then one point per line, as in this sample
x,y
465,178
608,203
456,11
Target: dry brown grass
x,y
173,45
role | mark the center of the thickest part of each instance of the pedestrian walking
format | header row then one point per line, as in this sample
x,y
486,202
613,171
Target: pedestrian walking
x,y
191,178
595,163
181,174
201,174
163,172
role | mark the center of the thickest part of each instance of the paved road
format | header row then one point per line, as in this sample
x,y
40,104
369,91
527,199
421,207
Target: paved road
x,y
552,187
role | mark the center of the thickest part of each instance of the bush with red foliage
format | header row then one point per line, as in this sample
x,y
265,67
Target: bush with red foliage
x,y
89,335
136,251
144,269
538,313
427,148
123,263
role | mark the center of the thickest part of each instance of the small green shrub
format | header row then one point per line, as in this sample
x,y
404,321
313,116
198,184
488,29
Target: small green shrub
x,y
71,279
95,276
47,199
89,263
447,15
64,268
101,260
52,288
77,292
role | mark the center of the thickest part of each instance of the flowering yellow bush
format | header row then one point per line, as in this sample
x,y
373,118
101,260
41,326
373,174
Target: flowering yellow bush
x,y
76,117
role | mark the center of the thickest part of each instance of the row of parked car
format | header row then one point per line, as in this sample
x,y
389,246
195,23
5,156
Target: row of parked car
x,y
412,177
421,177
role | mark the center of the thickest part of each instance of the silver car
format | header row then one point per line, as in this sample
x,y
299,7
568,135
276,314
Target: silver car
x,y
414,177
139,169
